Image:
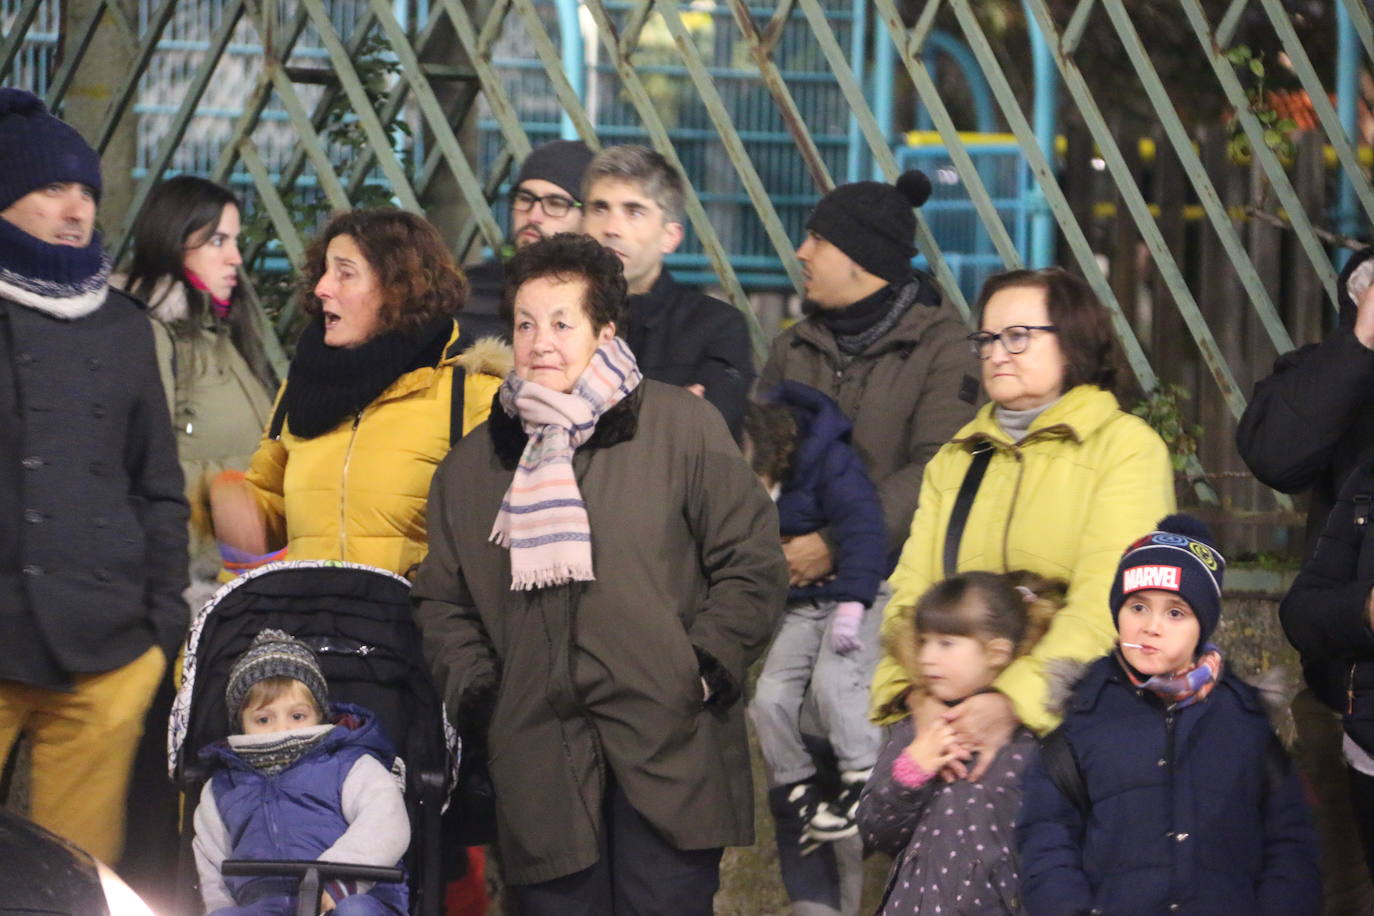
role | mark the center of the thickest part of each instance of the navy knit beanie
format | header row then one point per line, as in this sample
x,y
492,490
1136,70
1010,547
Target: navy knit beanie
x,y
1179,556
873,223
274,653
37,149
561,162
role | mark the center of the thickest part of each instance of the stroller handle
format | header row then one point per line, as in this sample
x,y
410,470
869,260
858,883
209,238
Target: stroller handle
x,y
297,868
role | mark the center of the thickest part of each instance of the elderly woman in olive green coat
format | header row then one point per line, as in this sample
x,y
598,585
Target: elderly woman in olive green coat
x,y
618,687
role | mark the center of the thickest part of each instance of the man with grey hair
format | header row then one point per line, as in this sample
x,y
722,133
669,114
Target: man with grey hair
x,y
633,205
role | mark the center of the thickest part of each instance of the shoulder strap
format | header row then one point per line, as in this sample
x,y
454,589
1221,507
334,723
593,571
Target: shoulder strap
x,y
278,418
1056,755
982,454
460,375
455,416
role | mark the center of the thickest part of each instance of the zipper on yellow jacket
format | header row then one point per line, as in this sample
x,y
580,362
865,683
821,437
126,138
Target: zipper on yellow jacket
x,y
343,488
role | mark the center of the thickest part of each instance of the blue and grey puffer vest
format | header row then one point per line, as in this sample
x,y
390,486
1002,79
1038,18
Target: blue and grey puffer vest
x,y
297,813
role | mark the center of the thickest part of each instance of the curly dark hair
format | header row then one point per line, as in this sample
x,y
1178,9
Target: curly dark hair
x,y
1092,353
571,256
770,435
419,279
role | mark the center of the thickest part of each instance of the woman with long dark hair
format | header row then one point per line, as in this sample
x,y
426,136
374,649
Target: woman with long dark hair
x,y
217,381
210,343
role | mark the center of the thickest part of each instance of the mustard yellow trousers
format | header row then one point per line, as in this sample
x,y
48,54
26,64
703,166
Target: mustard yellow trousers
x,y
83,747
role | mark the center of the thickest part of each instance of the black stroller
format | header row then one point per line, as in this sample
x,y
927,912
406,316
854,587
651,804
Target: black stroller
x,y
358,621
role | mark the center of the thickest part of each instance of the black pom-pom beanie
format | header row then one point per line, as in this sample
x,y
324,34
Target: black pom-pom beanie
x,y
873,223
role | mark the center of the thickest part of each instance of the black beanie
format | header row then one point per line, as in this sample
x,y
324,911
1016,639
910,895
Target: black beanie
x,y
561,162
872,222
1179,556
37,149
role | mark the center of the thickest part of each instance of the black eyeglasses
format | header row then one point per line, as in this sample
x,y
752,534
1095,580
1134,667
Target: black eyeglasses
x,y
1015,338
555,205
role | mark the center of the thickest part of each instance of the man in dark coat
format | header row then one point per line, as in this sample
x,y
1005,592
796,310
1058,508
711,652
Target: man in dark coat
x,y
882,342
1305,429
92,512
545,200
680,336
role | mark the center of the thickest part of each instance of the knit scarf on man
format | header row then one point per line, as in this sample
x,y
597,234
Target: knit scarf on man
x,y
58,280
858,326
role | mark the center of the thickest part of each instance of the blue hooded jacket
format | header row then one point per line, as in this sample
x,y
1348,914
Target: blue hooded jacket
x,y
829,488
297,813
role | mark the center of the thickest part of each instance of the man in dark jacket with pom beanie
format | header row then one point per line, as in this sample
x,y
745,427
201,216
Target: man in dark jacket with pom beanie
x,y
881,341
92,512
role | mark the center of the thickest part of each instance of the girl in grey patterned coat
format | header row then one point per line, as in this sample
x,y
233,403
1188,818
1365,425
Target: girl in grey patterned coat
x,y
951,839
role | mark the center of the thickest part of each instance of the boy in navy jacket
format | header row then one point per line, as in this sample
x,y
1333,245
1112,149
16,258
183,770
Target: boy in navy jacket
x,y
799,445
1165,790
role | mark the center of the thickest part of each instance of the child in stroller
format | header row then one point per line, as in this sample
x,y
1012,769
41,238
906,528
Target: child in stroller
x,y
294,784
355,622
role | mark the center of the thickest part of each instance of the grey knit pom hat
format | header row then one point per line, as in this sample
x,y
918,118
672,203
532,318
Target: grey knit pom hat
x,y
274,653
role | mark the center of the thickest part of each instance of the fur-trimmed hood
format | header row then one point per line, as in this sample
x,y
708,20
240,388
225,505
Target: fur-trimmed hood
x,y
1272,690
488,355
167,302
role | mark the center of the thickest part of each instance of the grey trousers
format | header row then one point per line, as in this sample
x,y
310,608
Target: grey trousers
x,y
800,656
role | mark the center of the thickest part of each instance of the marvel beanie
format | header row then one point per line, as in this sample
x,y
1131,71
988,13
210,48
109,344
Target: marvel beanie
x,y
274,653
1179,556
873,223
37,149
561,162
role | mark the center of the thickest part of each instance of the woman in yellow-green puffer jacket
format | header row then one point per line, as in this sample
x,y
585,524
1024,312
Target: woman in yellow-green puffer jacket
x,y
1072,481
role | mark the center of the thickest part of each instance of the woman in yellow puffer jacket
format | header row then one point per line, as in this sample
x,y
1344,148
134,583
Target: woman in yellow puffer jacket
x,y
1072,481
367,411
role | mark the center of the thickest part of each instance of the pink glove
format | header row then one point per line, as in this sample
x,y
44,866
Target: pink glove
x,y
844,629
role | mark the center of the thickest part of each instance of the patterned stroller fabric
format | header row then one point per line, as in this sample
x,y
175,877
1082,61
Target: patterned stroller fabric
x,y
357,619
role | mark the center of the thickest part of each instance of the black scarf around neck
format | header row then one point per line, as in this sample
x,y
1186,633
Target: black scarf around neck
x,y
859,316
857,327
328,384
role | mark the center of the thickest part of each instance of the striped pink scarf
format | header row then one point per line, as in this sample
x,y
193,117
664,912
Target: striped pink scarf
x,y
543,520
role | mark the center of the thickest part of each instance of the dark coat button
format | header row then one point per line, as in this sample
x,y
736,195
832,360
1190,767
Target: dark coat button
x,y
24,359
32,463
98,411
101,521
102,575
32,570
33,516
92,363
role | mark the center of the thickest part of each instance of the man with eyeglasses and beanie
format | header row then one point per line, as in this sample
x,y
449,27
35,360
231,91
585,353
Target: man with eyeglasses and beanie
x,y
92,507
545,200
880,340
679,336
